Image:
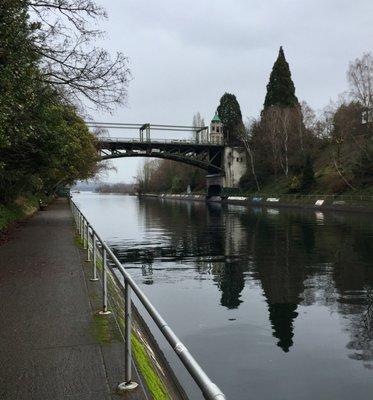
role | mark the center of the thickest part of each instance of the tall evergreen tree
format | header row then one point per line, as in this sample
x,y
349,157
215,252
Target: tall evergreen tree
x,y
280,89
229,112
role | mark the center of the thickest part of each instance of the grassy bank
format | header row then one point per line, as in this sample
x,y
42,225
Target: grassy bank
x,y
21,208
282,186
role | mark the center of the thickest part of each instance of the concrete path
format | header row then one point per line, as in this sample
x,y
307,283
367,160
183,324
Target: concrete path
x,y
48,349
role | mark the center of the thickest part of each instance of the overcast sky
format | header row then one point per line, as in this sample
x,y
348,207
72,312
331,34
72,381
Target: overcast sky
x,y
185,54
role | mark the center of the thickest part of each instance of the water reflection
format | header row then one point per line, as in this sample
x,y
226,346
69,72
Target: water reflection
x,y
297,258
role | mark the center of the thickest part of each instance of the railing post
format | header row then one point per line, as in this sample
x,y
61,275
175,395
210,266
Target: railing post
x,y
85,228
104,310
88,239
76,217
128,384
94,255
82,226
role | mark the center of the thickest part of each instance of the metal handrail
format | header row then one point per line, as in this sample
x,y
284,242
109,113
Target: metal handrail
x,y
216,142
209,389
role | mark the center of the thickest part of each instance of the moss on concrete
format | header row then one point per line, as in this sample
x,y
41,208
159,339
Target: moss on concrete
x,y
104,329
78,241
143,360
153,382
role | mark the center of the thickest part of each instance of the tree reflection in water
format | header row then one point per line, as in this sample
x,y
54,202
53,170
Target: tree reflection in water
x,y
297,257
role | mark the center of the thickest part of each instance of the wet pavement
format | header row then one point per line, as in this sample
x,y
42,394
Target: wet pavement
x,y
48,348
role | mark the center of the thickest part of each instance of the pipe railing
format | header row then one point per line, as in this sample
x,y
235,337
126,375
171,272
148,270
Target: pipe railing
x,y
94,245
201,141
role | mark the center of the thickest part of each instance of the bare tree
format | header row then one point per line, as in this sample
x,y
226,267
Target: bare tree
x,y
198,121
282,128
66,31
360,78
244,136
308,116
271,131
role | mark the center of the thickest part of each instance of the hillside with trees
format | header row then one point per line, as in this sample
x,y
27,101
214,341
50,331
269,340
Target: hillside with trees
x,y
298,152
290,148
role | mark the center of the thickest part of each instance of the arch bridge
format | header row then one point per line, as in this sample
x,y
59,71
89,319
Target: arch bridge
x,y
201,148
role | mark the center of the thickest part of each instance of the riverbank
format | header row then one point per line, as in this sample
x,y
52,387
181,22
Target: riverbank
x,y
318,202
19,210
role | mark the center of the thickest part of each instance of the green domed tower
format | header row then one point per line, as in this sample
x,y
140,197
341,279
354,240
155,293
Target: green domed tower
x,y
216,129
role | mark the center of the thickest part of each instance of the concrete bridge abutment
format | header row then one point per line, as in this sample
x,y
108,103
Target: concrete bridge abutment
x,y
234,166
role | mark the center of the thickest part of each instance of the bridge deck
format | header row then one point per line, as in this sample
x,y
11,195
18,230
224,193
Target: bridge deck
x,y
48,345
177,142
203,154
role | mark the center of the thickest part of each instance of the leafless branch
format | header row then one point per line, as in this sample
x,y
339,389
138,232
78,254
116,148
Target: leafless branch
x,y
69,57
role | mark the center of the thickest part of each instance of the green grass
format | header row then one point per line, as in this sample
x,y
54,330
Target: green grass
x,y
9,214
19,209
78,241
153,382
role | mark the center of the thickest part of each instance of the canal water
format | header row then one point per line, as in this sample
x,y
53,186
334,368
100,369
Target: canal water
x,y
274,304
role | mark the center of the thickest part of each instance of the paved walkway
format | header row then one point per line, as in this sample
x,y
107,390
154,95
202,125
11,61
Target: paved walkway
x,y
47,347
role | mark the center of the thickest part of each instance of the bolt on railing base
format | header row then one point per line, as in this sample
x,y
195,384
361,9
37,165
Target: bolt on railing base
x,y
107,312
125,386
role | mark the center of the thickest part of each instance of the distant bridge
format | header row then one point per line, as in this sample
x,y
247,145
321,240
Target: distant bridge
x,y
225,164
201,150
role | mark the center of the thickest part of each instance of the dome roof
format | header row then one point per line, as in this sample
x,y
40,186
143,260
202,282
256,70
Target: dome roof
x,y
216,118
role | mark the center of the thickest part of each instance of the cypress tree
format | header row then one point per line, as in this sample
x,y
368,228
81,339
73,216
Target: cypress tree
x,y
280,88
229,112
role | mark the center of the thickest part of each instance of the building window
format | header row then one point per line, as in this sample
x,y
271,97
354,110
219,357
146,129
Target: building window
x,y
217,129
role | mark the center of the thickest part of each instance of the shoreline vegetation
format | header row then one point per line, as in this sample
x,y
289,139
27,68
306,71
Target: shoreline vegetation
x,y
51,73
19,210
291,149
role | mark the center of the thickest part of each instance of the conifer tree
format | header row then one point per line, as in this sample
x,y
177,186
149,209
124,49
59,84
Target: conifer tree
x,y
280,89
229,112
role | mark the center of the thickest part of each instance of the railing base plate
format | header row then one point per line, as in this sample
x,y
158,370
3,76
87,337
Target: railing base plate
x,y
94,279
125,386
104,313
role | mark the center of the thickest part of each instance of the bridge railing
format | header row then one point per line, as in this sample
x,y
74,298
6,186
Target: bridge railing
x,y
96,247
213,142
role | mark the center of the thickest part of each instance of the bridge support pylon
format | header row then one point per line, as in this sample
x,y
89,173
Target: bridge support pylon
x,y
214,186
234,166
